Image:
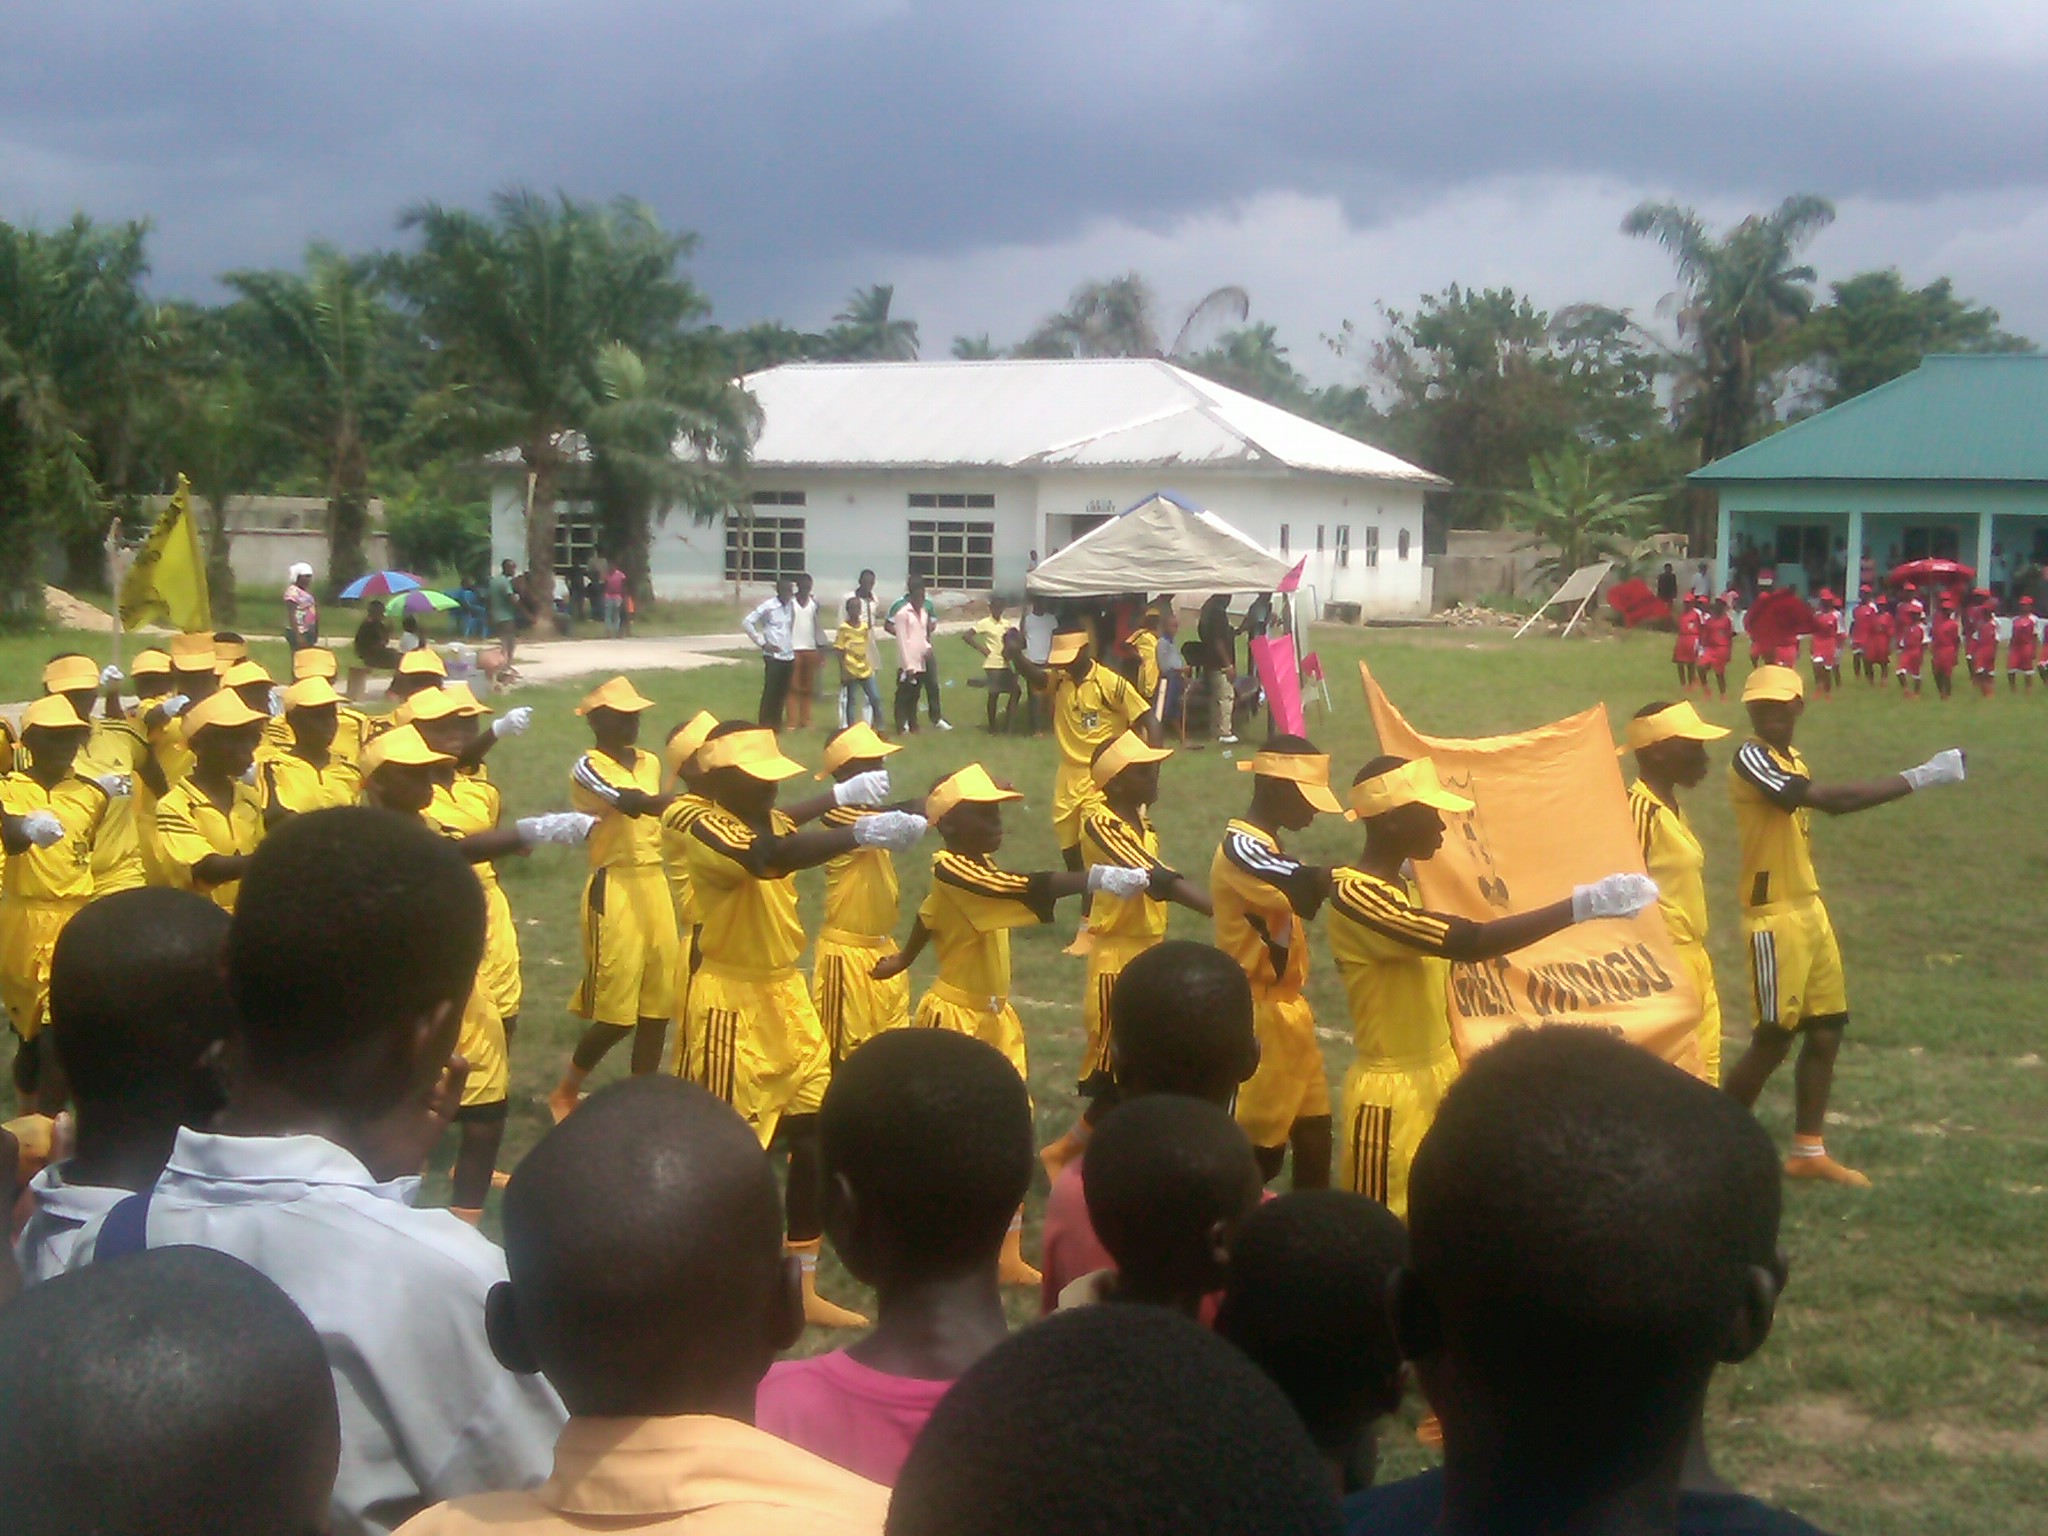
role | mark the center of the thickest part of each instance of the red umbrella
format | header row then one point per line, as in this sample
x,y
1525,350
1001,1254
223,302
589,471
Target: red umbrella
x,y
1636,603
1945,573
1778,618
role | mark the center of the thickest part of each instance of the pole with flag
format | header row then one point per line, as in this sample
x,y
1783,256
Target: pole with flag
x,y
167,582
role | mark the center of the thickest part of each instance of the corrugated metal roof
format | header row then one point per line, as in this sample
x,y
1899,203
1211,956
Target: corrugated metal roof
x,y
1018,414
1952,418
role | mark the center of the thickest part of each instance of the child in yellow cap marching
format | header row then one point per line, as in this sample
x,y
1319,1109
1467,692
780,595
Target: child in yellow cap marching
x,y
210,820
1091,706
352,726
112,757
689,803
861,909
306,773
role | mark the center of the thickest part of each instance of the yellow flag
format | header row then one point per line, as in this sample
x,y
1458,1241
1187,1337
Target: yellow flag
x,y
167,583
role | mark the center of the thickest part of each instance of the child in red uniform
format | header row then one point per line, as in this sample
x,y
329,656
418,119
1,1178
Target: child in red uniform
x,y
1947,647
1862,619
1984,647
1827,642
1912,647
2022,647
1685,654
1883,626
1717,644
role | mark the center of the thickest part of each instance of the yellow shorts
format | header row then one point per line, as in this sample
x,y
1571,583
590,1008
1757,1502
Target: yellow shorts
x,y
1795,965
499,972
1072,791
686,969
482,1044
1387,1111
28,938
756,1042
1700,965
852,1005
1290,1084
1106,962
629,947
989,1019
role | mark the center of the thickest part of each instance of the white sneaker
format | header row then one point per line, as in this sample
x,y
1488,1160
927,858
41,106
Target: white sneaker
x,y
944,725
1226,741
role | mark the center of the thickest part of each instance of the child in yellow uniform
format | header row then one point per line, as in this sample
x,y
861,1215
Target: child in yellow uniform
x,y
210,821
1091,707
998,679
194,678
1669,743
352,725
853,642
49,819
306,773
862,905
111,758
688,804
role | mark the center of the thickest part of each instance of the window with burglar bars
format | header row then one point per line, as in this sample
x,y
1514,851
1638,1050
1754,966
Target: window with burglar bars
x,y
764,543
1372,545
1343,546
575,539
953,556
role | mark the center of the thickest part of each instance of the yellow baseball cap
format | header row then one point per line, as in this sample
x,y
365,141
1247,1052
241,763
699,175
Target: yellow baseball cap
x,y
1679,721
970,784
688,738
226,652
1309,771
1772,685
618,694
424,661
1066,646
310,693
149,663
193,653
1415,782
855,744
245,673
314,661
224,709
71,674
755,752
53,712
1121,753
440,704
404,746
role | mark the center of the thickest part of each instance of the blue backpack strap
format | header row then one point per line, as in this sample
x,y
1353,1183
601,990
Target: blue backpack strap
x,y
125,1230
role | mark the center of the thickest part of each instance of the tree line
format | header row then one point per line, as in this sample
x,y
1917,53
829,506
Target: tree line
x,y
568,338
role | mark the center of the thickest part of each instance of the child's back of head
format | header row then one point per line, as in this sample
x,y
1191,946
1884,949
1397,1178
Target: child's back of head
x,y
1306,1299
1180,1021
1167,1179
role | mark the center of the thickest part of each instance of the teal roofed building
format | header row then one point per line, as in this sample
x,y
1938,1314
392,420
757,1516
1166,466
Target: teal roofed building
x,y
1948,461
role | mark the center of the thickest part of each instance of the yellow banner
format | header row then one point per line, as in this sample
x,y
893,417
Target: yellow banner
x,y
1549,811
167,582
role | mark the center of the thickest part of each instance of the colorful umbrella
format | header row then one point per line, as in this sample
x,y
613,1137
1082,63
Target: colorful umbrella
x,y
420,600
1778,619
380,584
1944,573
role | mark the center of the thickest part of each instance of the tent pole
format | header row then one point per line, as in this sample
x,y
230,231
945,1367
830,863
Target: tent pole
x,y
1577,614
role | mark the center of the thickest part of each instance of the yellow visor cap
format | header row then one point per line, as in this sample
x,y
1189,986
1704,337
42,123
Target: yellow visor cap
x,y
424,661
403,745
149,664
442,704
310,693
314,661
1309,771
227,652
1773,685
224,709
53,712
971,783
855,744
618,694
1066,646
1413,783
755,752
71,674
1679,722
193,653
1120,754
244,673
688,738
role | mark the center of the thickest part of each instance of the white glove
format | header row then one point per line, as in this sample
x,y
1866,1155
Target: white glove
x,y
119,786
249,774
1116,880
564,827
173,705
276,699
514,722
893,830
1942,768
111,674
41,828
1612,896
870,788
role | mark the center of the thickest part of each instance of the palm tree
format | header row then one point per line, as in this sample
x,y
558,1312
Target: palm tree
x,y
1119,317
326,322
975,349
1568,510
864,332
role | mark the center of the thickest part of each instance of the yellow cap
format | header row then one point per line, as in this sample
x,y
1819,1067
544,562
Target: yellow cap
x,y
423,661
1415,782
1127,749
310,693
71,674
855,744
227,652
193,653
1678,721
403,745
618,694
245,673
755,752
314,661
224,709
440,704
688,738
1308,770
53,712
1066,646
149,663
1772,684
971,783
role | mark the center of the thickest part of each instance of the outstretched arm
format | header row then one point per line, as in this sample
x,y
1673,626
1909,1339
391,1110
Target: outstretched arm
x,y
896,964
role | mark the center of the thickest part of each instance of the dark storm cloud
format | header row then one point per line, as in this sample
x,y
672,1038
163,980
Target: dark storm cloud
x,y
791,134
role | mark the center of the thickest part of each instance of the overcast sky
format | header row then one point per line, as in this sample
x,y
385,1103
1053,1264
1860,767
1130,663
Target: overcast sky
x,y
1328,155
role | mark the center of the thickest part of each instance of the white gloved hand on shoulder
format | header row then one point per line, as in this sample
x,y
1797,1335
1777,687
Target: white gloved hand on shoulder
x,y
893,830
1612,896
42,828
1116,880
565,827
870,788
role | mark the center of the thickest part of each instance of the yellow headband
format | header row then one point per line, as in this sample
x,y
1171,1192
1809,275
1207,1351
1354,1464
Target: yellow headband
x,y
1120,754
1681,721
856,744
971,784
1413,783
1308,771
755,753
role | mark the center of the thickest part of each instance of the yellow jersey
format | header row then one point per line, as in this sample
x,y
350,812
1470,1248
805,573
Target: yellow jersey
x,y
1676,861
289,783
352,729
116,746
468,806
1106,838
189,826
1390,953
747,918
861,892
969,913
988,634
1092,712
676,821
618,840
1769,790
1145,646
851,642
1261,897
62,871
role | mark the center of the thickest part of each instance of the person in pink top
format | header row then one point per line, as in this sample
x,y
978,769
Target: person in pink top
x,y
926,1147
1180,1021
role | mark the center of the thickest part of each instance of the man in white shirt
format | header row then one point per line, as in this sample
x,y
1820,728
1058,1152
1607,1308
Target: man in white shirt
x,y
343,1088
804,641
772,628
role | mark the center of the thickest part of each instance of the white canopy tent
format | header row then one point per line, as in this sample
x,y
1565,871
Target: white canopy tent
x,y
1162,544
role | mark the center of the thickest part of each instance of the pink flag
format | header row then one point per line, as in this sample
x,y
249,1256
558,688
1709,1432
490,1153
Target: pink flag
x,y
1273,657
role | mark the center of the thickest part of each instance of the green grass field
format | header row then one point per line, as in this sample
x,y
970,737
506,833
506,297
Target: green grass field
x,y
1904,1389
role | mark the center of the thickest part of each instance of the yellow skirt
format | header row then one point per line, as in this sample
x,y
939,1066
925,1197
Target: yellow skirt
x,y
482,1044
1290,1083
1107,958
988,1019
498,974
1701,965
629,947
28,938
852,1005
755,1042
1387,1111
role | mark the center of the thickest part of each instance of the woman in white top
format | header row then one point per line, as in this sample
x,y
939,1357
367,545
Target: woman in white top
x,y
803,641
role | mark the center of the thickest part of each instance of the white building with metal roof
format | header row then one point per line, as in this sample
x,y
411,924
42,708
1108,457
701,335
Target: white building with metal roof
x,y
968,471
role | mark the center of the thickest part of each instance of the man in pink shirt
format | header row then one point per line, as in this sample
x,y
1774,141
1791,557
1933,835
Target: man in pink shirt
x,y
912,620
1180,1021
926,1146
